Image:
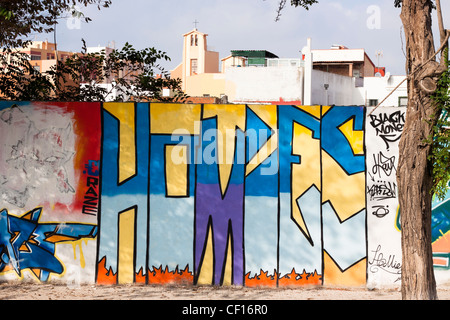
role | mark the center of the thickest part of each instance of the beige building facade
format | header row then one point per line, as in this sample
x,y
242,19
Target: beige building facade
x,y
198,66
43,55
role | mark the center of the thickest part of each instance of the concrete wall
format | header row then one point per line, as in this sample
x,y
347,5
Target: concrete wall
x,y
253,84
339,92
252,195
378,88
211,62
212,84
383,129
344,90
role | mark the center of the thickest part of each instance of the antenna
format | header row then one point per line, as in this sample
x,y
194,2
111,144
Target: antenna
x,y
378,54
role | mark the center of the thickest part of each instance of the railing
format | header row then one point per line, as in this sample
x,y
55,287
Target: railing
x,y
285,63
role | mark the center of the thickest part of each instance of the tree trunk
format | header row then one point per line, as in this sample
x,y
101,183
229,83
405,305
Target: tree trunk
x,y
414,174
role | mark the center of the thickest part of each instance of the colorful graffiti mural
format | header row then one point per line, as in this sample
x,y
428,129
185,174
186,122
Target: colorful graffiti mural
x,y
45,188
243,172
28,244
440,226
253,195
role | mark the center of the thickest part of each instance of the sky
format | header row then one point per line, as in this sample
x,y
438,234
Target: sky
x,y
244,24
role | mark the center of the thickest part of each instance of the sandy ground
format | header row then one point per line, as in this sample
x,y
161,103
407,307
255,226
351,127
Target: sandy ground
x,y
32,291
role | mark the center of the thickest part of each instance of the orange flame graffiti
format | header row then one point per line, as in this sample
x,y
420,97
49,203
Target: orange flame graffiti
x,y
290,279
164,276
105,276
140,276
157,276
160,276
263,280
296,279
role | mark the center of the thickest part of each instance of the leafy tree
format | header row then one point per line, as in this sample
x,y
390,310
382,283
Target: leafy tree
x,y
440,140
5,14
20,18
122,75
135,74
20,81
417,174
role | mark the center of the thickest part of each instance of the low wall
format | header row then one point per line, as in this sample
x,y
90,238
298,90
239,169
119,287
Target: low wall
x,y
249,195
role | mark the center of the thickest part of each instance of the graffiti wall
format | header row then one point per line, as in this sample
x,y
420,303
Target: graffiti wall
x,y
48,227
383,130
253,195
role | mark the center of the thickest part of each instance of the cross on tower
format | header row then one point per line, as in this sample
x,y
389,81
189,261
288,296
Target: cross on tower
x,y
195,23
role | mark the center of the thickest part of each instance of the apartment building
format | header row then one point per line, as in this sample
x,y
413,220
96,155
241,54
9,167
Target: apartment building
x,y
334,76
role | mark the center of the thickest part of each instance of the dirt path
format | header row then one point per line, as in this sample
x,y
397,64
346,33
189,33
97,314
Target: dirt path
x,y
27,291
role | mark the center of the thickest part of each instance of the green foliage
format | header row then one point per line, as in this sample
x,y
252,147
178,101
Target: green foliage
x,y
18,78
121,75
5,14
440,155
24,17
118,76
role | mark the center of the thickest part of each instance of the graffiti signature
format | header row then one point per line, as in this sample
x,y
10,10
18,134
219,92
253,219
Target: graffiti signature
x,y
388,264
382,190
383,164
388,127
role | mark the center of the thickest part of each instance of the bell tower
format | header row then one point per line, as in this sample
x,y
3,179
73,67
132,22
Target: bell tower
x,y
196,58
194,53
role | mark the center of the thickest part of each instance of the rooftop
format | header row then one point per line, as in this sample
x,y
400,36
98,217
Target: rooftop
x,y
253,54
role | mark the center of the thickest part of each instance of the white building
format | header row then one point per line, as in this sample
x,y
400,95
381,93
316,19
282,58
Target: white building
x,y
336,76
328,80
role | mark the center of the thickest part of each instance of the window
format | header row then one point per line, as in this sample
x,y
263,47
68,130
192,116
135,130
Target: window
x,y
194,66
35,57
373,102
194,40
402,101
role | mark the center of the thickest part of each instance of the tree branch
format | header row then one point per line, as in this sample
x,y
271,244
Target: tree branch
x,y
281,6
442,31
443,45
